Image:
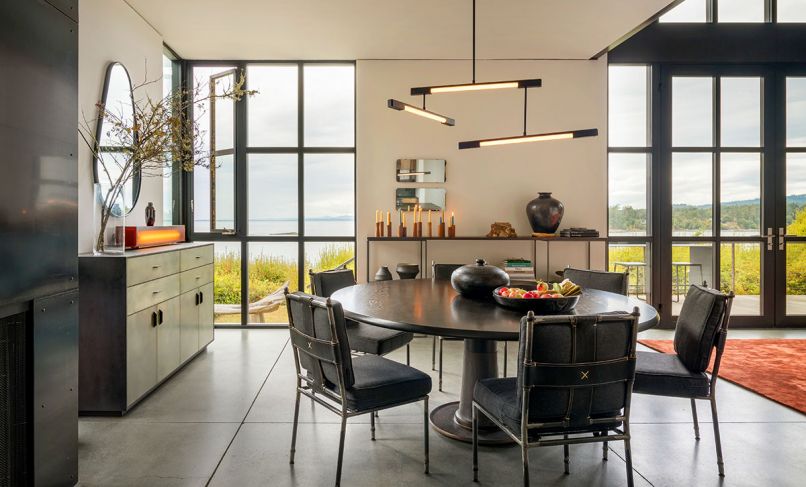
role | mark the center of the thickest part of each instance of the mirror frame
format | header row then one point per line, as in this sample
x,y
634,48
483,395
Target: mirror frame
x,y
136,177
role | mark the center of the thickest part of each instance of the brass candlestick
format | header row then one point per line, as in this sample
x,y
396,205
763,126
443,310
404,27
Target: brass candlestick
x,y
452,231
430,233
389,229
441,230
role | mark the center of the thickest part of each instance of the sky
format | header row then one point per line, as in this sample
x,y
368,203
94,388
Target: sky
x,y
272,122
691,119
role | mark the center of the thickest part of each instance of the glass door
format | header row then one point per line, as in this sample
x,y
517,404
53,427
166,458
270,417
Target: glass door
x,y
717,222
791,230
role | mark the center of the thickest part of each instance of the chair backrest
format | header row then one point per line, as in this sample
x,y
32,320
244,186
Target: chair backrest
x,y
328,282
319,341
614,282
442,272
574,371
702,326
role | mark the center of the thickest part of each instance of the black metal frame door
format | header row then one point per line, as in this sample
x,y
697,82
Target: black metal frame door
x,y
783,241
665,286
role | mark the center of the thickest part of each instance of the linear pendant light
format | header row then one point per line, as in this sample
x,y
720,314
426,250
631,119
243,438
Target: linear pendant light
x,y
422,112
518,139
491,85
473,86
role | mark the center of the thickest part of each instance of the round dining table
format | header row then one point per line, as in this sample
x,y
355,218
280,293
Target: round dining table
x,y
433,307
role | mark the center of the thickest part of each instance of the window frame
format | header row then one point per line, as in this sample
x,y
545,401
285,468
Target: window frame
x,y
242,152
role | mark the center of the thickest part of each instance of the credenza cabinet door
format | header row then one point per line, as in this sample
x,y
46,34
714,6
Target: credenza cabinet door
x,y
189,324
206,309
141,353
168,337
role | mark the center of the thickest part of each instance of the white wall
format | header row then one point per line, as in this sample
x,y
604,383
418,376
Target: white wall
x,y
109,30
491,184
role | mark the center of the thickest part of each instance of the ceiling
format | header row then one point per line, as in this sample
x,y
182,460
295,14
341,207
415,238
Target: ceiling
x,y
389,29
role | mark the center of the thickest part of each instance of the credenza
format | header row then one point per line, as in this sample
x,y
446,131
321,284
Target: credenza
x,y
143,315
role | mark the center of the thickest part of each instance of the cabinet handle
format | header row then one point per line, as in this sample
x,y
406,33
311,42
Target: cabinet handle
x,y
155,292
159,313
155,266
197,299
201,293
198,256
153,320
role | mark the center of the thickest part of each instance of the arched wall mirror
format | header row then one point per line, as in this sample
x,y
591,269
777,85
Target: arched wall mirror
x,y
113,147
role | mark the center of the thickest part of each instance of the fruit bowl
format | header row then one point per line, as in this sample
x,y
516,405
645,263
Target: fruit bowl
x,y
537,305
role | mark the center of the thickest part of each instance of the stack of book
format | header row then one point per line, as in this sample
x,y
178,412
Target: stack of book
x,y
519,269
579,232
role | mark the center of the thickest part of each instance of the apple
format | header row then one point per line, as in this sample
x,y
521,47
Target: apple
x,y
542,287
503,291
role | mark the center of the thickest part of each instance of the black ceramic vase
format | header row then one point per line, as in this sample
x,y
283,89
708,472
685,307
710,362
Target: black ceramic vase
x,y
407,271
151,214
545,213
383,274
478,280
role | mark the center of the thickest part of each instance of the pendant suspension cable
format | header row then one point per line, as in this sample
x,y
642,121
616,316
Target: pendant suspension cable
x,y
474,41
525,91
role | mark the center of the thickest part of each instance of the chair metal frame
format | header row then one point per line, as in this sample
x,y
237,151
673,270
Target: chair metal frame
x,y
343,267
312,383
720,338
582,381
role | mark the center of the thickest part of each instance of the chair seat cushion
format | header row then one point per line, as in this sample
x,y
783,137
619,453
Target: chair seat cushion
x,y
500,398
374,339
663,374
382,382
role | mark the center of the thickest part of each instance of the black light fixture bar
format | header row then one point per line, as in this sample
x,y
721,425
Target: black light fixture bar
x,y
490,85
571,134
422,112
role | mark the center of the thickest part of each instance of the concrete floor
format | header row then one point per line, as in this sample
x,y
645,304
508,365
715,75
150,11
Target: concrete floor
x,y
225,420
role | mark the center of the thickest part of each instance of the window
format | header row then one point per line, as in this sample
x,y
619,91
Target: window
x,y
688,11
741,10
171,83
629,172
791,11
284,196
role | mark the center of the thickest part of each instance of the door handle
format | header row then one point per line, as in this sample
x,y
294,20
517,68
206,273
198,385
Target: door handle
x,y
770,238
781,238
153,320
159,314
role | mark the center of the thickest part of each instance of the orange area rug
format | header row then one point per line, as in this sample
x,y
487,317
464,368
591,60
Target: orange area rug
x,y
773,368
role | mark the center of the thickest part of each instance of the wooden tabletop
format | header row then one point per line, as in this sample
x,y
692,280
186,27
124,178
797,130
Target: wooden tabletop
x,y
435,308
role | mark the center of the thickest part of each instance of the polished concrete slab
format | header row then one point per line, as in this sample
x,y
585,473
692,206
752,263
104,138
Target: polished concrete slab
x,y
225,419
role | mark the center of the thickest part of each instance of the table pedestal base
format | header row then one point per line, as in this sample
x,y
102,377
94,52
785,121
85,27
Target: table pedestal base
x,y
444,421
454,419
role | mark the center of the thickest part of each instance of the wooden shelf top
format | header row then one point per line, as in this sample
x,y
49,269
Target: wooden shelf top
x,y
482,238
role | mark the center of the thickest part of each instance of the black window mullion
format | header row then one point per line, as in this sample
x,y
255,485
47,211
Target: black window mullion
x,y
301,176
241,194
716,256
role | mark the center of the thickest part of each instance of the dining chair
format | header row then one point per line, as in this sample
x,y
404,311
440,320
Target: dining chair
x,y
702,327
574,385
441,272
614,282
348,386
363,337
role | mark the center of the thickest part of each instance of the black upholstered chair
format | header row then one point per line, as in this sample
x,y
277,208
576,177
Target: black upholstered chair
x,y
441,272
348,386
574,385
363,338
614,282
702,327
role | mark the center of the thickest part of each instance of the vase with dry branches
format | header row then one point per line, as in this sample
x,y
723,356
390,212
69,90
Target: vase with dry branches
x,y
160,138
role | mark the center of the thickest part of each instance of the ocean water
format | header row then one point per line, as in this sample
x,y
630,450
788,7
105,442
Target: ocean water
x,y
278,228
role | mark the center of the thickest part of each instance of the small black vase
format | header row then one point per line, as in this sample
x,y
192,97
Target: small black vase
x,y
383,274
545,213
151,214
